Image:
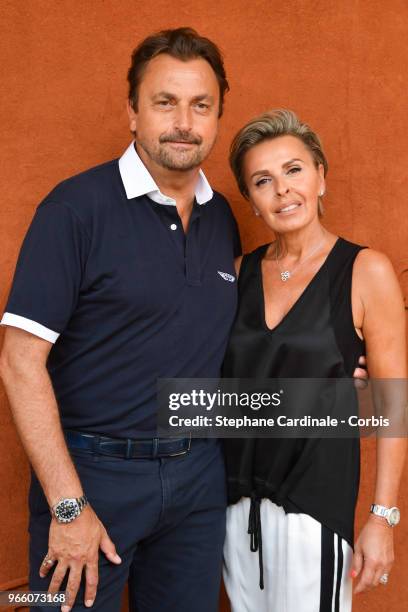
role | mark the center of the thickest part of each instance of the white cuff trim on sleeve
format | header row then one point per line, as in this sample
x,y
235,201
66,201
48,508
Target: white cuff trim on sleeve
x,y
30,326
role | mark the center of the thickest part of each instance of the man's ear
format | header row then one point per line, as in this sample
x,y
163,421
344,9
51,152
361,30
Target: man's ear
x,y
132,116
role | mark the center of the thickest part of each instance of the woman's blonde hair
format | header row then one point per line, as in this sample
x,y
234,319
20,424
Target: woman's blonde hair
x,y
272,124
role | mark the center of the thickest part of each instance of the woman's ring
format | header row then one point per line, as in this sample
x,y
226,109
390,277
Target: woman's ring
x,y
384,579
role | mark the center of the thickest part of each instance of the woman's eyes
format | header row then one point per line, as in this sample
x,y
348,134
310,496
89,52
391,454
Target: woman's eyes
x,y
262,182
268,179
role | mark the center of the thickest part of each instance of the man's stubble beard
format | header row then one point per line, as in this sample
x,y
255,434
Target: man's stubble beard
x,y
171,160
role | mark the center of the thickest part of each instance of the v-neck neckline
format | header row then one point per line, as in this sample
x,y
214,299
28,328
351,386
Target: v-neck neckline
x,y
301,296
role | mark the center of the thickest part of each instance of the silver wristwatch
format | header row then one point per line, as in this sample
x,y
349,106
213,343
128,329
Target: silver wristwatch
x,y
69,508
391,515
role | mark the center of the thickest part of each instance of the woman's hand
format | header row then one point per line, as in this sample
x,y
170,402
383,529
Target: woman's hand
x,y
373,554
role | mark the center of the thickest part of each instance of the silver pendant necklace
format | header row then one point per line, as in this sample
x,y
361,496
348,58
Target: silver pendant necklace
x,y
286,274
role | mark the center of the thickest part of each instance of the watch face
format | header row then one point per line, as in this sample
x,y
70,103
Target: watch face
x,y
67,510
394,516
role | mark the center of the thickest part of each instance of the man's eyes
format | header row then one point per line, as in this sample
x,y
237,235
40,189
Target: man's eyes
x,y
200,105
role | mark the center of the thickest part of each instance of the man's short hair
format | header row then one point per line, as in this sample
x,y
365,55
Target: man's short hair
x,y
183,44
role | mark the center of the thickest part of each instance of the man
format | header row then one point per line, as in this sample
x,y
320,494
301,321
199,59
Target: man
x,y
119,282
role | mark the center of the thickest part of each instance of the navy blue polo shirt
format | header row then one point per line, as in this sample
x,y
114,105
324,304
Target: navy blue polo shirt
x,y
125,296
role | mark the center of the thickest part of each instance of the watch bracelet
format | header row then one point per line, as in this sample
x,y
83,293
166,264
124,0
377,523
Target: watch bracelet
x,y
82,502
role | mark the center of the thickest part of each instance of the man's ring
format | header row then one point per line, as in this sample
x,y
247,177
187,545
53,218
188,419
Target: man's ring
x,y
384,579
48,561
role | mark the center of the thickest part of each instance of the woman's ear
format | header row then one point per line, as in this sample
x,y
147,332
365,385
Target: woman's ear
x,y
322,181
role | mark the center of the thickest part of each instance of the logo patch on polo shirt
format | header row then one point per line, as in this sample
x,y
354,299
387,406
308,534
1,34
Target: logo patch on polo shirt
x,y
226,276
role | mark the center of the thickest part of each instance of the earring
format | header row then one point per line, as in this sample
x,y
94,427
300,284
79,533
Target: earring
x,y
257,213
321,194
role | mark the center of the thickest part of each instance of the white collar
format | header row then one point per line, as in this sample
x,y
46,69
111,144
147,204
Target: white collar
x,y
138,181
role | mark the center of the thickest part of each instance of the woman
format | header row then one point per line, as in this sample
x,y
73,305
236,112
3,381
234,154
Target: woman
x,y
310,304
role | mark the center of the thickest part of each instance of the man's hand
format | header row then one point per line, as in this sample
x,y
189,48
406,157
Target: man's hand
x,y
360,375
74,547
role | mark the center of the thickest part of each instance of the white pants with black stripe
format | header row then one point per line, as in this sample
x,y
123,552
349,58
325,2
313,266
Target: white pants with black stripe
x,y
306,566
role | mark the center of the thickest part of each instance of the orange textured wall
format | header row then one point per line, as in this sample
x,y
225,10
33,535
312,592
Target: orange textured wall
x,y
340,65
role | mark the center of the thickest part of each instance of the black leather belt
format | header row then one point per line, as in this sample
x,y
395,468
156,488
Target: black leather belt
x,y
128,448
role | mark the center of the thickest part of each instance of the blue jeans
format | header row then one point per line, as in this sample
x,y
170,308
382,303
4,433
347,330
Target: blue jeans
x,y
166,518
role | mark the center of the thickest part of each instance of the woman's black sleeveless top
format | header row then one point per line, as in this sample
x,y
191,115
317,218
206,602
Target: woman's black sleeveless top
x,y
315,339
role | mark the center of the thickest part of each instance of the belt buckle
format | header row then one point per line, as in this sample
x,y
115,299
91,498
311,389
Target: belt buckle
x,y
183,452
